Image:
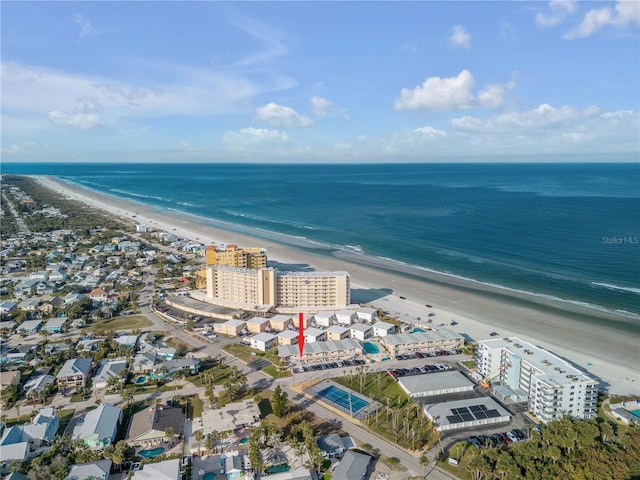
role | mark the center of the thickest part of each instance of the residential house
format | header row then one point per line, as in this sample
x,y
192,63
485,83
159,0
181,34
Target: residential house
x,y
353,466
99,427
73,297
367,314
8,326
99,470
361,331
74,373
166,353
11,377
264,341
338,332
346,317
39,384
257,325
287,337
190,366
29,327
56,325
165,470
325,319
148,427
322,352
22,442
233,466
25,288
281,322
7,306
312,334
335,444
143,362
382,329
231,417
41,275
58,276
127,341
98,295
231,328
29,304
110,369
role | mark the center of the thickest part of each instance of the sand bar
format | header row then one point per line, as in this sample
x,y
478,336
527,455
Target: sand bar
x,y
603,344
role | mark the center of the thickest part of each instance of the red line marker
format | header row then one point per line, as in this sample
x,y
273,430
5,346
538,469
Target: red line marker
x,y
301,332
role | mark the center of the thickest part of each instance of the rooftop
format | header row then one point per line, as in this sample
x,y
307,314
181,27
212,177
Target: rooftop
x,y
557,370
415,384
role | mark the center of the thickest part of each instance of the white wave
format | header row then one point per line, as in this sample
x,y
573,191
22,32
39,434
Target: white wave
x,y
554,298
124,192
617,287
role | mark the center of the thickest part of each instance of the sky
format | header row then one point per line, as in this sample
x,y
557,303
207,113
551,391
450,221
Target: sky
x,y
320,81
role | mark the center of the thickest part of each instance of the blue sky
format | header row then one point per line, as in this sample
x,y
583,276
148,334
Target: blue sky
x,y
325,81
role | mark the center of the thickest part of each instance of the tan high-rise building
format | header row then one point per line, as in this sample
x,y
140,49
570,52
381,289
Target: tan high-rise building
x,y
267,286
233,256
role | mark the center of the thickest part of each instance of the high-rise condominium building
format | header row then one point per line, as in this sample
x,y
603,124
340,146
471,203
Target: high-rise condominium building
x,y
267,286
233,256
554,387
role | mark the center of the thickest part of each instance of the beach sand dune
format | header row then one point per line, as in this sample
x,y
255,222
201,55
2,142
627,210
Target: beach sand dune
x,y
600,343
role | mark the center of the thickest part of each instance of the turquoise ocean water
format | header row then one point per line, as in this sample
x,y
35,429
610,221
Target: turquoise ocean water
x,y
565,231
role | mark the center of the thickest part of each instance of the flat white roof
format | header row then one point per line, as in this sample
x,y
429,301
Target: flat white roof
x,y
429,382
264,337
288,334
554,368
421,337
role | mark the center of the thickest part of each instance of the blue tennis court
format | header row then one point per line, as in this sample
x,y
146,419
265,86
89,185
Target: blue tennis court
x,y
341,397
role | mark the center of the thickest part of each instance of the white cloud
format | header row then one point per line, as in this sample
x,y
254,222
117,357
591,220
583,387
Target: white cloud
x,y
86,28
21,147
320,106
459,37
430,132
281,116
544,116
83,121
626,12
438,94
251,134
560,9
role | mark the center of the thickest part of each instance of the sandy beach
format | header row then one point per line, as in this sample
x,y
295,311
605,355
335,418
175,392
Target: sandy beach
x,y
576,334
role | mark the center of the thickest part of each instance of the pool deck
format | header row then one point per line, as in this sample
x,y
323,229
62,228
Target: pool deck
x,y
314,392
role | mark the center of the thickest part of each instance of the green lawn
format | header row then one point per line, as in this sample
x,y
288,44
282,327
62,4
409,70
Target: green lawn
x,y
119,323
243,352
273,371
195,407
65,417
462,452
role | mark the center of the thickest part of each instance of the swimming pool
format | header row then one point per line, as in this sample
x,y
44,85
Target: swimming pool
x,y
277,469
417,330
341,398
635,413
370,348
209,476
154,452
244,440
140,380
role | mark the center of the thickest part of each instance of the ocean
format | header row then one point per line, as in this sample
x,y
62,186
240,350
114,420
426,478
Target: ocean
x,y
562,231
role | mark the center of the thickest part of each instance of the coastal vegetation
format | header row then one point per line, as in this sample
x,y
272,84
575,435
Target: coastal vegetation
x,y
569,449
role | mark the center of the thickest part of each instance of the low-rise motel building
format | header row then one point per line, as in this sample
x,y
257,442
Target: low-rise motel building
x,y
321,352
258,325
429,341
288,292
553,387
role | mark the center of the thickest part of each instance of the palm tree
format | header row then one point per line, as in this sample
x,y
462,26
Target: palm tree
x,y
168,434
199,436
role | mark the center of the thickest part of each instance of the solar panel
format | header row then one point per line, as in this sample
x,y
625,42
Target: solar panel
x,y
480,415
492,413
475,408
482,407
454,418
467,417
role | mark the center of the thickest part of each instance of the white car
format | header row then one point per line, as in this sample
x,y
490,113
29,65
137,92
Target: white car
x,y
511,437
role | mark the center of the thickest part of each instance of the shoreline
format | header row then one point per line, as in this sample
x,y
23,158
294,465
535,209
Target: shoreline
x,y
569,331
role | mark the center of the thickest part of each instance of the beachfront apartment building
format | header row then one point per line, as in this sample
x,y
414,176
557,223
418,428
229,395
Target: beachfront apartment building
x,y
233,256
287,291
429,341
553,386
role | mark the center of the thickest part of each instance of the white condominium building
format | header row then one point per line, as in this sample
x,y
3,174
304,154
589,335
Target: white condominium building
x,y
554,387
267,286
